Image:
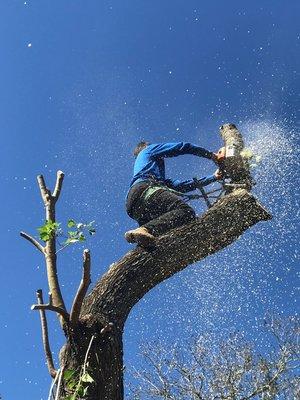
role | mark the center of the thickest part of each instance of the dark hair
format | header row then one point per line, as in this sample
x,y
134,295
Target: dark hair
x,y
139,147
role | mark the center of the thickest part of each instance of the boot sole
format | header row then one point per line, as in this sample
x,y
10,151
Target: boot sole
x,y
140,239
145,240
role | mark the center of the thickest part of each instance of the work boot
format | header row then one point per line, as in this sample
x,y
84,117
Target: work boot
x,y
141,236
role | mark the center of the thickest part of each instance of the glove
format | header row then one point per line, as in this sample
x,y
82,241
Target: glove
x,y
219,174
219,157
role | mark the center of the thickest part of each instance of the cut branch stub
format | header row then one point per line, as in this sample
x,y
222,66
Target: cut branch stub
x,y
45,192
58,185
83,287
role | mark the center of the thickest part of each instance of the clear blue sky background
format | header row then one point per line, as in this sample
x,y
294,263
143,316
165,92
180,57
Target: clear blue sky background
x,y
81,82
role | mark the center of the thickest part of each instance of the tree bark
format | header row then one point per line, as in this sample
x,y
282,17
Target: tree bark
x,y
129,279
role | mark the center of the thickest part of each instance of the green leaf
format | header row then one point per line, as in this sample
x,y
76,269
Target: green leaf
x,y
68,374
71,384
81,237
80,391
48,230
71,223
72,234
70,241
87,378
44,236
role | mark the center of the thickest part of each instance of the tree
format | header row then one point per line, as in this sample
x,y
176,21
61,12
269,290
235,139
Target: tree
x,y
91,361
231,369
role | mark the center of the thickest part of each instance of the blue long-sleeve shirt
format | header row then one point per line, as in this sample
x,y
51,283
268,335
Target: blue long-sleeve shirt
x,y
150,164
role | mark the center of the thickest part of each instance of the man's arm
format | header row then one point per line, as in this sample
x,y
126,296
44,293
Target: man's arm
x,y
191,184
177,149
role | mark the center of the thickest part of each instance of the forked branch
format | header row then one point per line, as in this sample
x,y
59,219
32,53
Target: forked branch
x,y
82,289
45,336
50,248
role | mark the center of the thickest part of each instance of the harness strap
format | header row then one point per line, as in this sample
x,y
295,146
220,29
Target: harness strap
x,y
155,186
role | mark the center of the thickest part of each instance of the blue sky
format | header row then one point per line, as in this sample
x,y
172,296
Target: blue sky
x,y
81,83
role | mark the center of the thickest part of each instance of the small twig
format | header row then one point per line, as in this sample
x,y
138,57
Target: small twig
x,y
51,394
58,185
33,241
87,353
59,383
83,368
62,248
82,289
45,336
51,307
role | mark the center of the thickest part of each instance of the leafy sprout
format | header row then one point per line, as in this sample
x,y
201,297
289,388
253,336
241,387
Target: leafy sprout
x,y
77,231
78,384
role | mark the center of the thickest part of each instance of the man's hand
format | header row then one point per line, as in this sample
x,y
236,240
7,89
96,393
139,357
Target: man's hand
x,y
218,174
219,156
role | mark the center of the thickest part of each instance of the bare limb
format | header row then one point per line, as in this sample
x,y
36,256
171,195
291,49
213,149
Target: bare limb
x,y
33,241
45,192
82,289
45,336
50,307
58,185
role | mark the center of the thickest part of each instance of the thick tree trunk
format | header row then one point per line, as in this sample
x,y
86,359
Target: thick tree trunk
x,y
129,279
104,361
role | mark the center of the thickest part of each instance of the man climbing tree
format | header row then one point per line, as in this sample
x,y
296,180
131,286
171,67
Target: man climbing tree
x,y
156,202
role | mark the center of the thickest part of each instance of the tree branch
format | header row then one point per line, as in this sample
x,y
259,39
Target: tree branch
x,y
50,307
45,192
58,185
45,336
50,247
129,279
82,289
33,241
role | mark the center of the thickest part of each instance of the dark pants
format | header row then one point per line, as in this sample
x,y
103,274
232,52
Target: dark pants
x,y
162,211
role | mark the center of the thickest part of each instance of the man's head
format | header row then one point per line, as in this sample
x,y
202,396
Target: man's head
x,y
139,147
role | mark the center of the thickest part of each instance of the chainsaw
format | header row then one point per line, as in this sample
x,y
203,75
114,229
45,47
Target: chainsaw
x,y
233,167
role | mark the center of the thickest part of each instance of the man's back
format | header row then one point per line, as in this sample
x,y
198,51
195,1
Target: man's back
x,y
149,163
